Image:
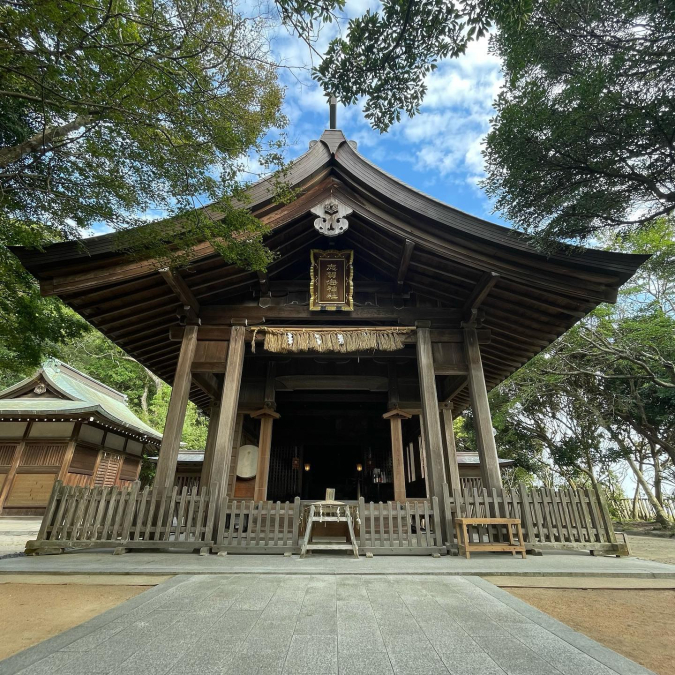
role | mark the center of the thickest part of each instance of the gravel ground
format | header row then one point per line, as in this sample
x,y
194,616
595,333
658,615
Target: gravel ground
x,y
639,624
658,549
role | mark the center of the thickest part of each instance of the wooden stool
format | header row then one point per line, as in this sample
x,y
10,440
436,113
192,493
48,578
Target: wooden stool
x,y
466,545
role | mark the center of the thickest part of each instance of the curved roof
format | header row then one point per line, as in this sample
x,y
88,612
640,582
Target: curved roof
x,y
81,393
537,296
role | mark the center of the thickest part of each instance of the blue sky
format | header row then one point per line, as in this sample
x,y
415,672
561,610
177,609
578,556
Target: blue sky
x,y
437,151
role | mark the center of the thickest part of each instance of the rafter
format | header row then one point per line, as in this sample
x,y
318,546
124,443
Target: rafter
x,y
406,255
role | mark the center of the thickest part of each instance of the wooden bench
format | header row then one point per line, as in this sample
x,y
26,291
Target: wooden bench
x,y
466,545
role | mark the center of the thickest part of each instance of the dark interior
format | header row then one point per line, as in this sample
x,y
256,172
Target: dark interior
x,y
321,442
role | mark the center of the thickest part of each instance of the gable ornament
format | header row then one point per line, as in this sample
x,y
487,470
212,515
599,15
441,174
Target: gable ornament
x,y
332,217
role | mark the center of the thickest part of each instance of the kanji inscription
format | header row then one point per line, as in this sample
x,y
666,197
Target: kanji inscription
x,y
331,285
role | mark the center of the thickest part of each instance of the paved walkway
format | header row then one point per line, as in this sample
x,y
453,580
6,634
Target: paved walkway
x,y
321,625
550,564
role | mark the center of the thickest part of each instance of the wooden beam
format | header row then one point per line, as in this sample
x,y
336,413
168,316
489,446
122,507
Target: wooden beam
x,y
456,390
431,420
404,263
223,314
487,448
267,417
480,291
70,451
16,460
219,333
452,467
208,383
181,289
211,439
70,283
168,454
227,413
395,416
264,282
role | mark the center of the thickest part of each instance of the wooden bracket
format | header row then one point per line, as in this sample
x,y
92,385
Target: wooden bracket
x,y
478,294
189,312
397,413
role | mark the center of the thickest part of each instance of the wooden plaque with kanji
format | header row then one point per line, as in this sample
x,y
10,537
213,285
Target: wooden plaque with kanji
x,y
332,285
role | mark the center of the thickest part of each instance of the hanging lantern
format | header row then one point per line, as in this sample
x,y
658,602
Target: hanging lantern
x,y
359,467
307,466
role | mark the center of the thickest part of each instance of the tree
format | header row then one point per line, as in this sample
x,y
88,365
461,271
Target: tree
x,y
602,395
386,55
582,141
109,109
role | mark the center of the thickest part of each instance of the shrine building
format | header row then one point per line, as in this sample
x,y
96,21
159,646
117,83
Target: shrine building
x,y
60,424
384,314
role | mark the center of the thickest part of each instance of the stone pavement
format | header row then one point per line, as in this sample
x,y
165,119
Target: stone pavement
x,y
550,564
321,625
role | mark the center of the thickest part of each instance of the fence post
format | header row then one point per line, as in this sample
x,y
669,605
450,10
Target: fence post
x,y
362,518
296,521
49,513
604,512
450,503
131,508
438,531
525,513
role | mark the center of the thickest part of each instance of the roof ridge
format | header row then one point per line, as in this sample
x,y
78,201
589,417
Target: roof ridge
x,y
63,366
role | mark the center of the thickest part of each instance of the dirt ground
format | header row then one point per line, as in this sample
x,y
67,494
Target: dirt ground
x,y
639,624
659,549
31,613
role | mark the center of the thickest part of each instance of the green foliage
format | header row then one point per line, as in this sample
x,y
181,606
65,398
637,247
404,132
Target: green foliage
x,y
583,136
604,393
111,110
386,55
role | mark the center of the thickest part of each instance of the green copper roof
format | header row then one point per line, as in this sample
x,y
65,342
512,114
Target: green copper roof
x,y
83,394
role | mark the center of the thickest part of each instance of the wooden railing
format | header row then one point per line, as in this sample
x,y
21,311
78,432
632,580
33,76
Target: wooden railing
x,y
645,511
551,519
400,528
79,517
258,527
110,517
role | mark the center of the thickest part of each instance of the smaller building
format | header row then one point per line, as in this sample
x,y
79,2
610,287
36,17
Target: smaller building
x,y
62,424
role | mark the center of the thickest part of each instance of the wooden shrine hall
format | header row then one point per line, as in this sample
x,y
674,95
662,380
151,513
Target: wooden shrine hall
x,y
384,313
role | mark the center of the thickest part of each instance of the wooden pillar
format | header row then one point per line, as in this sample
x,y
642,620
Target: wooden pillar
x,y
70,451
227,415
16,459
430,415
487,448
266,417
175,417
452,467
424,460
210,449
395,416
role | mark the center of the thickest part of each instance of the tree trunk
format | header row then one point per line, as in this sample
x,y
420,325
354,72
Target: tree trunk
x,y
658,492
42,141
636,497
661,517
